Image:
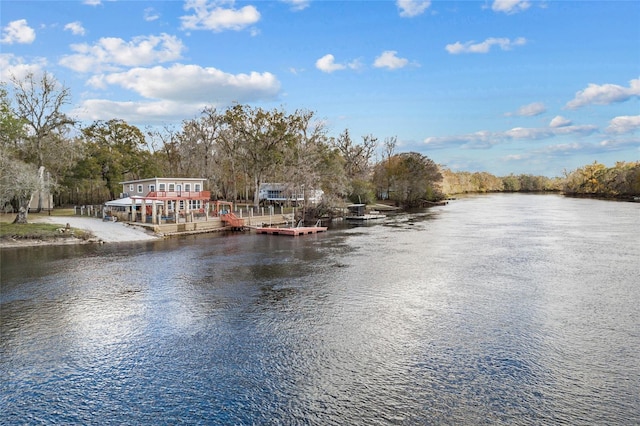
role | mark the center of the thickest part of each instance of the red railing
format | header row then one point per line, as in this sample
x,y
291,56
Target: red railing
x,y
232,220
174,195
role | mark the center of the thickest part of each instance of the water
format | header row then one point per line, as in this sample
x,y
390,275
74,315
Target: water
x,y
501,309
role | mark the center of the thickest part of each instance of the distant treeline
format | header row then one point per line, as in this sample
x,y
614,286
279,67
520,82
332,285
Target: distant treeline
x,y
481,182
619,181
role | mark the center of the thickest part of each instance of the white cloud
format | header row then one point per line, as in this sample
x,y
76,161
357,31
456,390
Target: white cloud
x,y
13,66
485,46
174,93
136,112
111,53
624,124
327,64
516,157
411,8
620,144
482,138
487,139
210,15
529,110
298,4
76,28
559,121
18,32
563,148
193,84
92,2
604,94
388,59
510,6
150,14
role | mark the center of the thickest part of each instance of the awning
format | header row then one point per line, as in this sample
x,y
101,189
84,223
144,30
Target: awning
x,y
128,201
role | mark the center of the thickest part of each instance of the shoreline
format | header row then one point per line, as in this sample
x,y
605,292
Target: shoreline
x,y
101,231
30,242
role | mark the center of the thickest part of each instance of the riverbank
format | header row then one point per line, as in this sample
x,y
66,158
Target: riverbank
x,y
99,232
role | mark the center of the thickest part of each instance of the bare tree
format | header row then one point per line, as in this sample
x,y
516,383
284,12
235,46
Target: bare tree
x,y
165,145
39,104
357,156
265,136
199,143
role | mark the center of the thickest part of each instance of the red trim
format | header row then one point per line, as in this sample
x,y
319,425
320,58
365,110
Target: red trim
x,y
174,195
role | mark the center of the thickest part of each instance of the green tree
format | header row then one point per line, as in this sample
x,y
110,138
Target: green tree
x,y
12,128
622,180
115,151
357,164
511,183
165,147
416,178
264,137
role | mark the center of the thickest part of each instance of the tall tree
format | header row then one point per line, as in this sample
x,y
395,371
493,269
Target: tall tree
x,y
305,158
18,180
39,103
415,177
264,137
385,176
116,151
357,163
199,141
357,157
165,145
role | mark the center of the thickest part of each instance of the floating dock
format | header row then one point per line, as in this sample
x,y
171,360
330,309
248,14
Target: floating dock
x,y
293,231
300,230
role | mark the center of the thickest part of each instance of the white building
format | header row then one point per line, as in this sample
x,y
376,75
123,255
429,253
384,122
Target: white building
x,y
283,192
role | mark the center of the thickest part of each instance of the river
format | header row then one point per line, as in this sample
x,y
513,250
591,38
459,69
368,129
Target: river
x,y
497,309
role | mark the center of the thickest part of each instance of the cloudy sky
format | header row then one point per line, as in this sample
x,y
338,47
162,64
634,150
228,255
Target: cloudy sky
x,y
498,85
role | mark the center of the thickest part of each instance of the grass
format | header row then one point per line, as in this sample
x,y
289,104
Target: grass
x,y
38,231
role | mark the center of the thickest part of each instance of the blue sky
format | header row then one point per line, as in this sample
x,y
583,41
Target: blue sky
x,y
504,86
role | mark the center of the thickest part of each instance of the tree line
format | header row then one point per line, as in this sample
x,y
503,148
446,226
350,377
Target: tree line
x,y
234,149
620,181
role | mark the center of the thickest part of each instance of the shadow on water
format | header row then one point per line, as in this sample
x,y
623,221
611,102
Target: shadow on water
x,y
503,309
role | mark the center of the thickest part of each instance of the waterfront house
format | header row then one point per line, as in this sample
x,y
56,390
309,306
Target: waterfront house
x,y
157,199
281,193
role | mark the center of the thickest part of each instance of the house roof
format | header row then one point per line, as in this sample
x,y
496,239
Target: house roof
x,y
163,178
126,202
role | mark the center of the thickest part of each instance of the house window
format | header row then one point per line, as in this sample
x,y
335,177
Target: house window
x,y
181,204
131,187
187,187
161,187
152,188
172,187
179,188
139,189
198,187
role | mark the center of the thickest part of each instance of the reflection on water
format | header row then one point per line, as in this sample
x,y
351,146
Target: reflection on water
x,y
497,309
